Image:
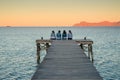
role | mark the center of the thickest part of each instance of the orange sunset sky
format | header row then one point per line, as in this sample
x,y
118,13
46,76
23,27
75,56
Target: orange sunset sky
x,y
57,12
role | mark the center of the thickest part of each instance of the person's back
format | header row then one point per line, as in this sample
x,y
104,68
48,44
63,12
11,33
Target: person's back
x,y
70,36
53,37
64,35
59,35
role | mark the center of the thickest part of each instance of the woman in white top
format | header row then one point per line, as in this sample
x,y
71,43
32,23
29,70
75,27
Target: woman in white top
x,y
52,36
70,36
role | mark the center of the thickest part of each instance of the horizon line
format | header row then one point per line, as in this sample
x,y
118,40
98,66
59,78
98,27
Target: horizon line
x,y
75,24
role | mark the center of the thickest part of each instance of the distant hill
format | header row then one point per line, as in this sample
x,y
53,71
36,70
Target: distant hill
x,y
104,23
8,26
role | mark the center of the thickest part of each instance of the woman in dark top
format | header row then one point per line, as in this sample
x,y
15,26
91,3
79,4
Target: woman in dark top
x,y
64,35
59,35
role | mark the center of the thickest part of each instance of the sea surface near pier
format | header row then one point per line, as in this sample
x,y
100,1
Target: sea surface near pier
x,y
18,49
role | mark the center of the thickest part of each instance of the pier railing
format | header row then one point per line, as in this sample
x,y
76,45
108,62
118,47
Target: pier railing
x,y
81,42
38,44
89,43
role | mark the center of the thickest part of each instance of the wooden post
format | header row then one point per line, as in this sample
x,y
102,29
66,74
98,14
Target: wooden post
x,y
38,53
81,45
89,51
47,45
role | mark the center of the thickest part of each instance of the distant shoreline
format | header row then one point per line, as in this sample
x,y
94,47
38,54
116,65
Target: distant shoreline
x,y
57,26
103,23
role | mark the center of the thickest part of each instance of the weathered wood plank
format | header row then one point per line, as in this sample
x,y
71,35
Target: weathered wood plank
x,y
84,41
43,41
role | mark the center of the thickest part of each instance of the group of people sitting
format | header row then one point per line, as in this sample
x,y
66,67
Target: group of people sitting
x,y
63,36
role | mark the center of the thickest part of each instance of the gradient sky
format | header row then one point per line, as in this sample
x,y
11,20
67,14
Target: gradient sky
x,y
57,12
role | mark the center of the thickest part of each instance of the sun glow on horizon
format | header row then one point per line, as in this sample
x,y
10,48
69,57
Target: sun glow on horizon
x,y
57,12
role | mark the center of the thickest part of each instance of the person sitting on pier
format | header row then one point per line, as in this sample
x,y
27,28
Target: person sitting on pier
x,y
53,37
64,35
70,35
58,35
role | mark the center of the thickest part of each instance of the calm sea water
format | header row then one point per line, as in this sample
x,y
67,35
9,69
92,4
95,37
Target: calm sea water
x,y
18,50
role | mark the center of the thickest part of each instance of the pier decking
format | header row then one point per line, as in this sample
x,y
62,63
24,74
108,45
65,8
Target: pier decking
x,y
65,60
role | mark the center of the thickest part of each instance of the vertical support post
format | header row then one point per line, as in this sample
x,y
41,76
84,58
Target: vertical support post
x,y
81,45
47,45
38,53
89,51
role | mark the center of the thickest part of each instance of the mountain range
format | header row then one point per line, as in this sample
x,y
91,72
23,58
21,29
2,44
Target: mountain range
x,y
103,23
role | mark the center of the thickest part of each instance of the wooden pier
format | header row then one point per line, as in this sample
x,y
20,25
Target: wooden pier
x,y
65,60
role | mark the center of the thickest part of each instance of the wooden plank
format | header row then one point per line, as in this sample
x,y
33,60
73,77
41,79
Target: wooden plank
x,y
65,60
84,41
43,41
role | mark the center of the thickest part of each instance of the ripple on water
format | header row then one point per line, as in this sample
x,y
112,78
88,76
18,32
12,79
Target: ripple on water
x,y
18,50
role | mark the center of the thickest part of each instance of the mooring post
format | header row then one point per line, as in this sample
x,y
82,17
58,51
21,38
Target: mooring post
x,y
41,38
47,46
38,53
